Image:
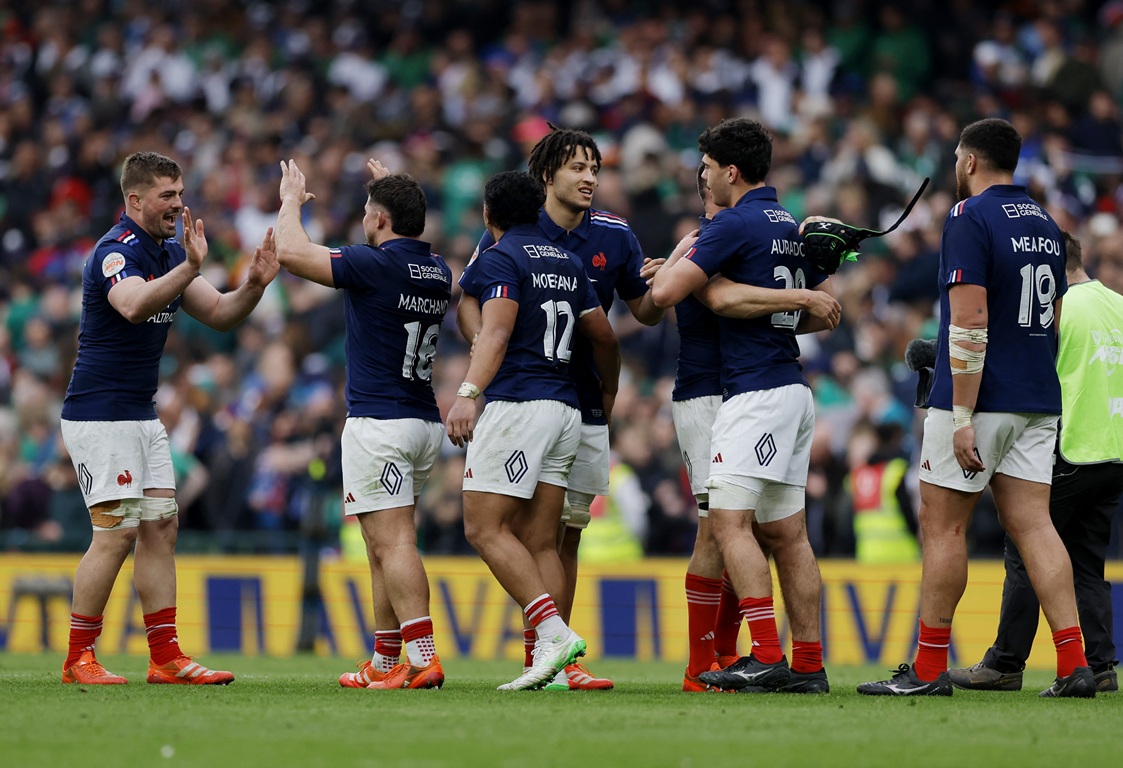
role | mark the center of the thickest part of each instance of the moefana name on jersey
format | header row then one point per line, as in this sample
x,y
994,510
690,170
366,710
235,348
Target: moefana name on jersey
x,y
556,282
422,304
1030,244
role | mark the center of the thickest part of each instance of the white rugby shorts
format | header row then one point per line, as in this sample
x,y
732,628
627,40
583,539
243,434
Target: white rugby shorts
x,y
386,461
764,434
694,423
515,446
118,459
1015,444
590,468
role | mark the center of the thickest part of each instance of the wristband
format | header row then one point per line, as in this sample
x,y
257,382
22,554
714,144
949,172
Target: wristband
x,y
961,416
468,390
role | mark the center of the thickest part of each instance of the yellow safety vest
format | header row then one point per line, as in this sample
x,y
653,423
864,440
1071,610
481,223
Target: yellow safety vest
x,y
880,531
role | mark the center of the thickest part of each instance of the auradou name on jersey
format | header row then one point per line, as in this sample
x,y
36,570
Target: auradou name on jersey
x,y
422,304
785,247
1030,244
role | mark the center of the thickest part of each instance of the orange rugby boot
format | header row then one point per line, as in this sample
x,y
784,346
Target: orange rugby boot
x,y
366,675
88,671
185,671
408,676
691,684
577,677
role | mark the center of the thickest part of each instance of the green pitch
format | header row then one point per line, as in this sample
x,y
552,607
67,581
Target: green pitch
x,y
291,712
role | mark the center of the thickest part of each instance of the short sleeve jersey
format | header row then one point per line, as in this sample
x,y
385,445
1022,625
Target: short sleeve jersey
x,y
757,242
1005,242
699,353
118,366
552,291
607,248
395,296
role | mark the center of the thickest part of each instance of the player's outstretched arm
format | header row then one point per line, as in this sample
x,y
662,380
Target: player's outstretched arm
x,y
223,311
595,327
295,250
489,350
138,299
674,282
730,299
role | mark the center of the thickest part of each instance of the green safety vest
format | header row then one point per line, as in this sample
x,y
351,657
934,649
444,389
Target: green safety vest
x,y
608,539
881,534
1090,367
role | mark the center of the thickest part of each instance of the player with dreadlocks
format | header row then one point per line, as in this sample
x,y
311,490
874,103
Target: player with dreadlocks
x,y
567,163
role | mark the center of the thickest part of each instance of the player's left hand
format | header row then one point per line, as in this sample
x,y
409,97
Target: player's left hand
x,y
813,219
461,421
194,241
377,169
264,265
963,442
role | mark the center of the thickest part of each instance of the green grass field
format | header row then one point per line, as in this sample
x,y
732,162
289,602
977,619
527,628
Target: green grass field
x,y
291,712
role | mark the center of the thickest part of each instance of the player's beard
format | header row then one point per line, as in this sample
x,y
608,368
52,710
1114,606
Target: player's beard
x,y
962,191
158,227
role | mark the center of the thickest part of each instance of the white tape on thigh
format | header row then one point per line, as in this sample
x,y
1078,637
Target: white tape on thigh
x,y
128,511
157,509
576,513
740,496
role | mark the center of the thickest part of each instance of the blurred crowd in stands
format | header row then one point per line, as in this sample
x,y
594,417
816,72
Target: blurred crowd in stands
x,y
865,99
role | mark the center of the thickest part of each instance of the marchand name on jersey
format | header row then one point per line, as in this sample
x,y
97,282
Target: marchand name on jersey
x,y
1028,244
422,304
563,282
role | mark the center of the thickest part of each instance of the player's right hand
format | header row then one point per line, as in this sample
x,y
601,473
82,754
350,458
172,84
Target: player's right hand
x,y
377,169
825,307
461,421
293,183
963,442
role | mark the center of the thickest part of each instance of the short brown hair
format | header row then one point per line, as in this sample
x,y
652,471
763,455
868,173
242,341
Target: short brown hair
x,y
141,169
1074,258
404,201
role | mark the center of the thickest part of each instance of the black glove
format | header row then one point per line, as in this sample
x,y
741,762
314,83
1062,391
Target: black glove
x,y
826,244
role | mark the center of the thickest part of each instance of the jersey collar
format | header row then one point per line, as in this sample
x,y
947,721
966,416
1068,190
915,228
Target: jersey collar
x,y
1005,190
408,244
555,233
760,193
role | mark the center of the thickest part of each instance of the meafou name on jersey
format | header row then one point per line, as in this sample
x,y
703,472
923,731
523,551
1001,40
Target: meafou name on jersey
x,y
1029,244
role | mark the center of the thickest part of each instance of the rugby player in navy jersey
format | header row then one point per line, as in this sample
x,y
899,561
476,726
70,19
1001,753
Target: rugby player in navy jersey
x,y
133,284
567,163
536,302
994,407
761,438
396,292
713,615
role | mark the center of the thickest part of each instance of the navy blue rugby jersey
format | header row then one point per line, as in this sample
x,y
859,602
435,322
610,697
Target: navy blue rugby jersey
x,y
699,353
118,366
395,296
607,248
553,291
757,242
1004,241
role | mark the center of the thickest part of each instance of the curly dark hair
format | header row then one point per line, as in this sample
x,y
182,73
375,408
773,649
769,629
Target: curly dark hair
x,y
995,141
141,169
404,201
740,142
513,198
557,148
